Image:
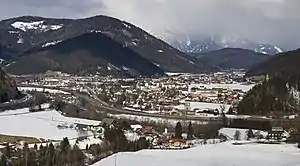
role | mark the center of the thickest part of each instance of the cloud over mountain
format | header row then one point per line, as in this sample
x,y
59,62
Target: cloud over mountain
x,y
266,21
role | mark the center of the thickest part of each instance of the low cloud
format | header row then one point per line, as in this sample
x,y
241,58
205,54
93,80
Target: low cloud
x,y
50,8
267,21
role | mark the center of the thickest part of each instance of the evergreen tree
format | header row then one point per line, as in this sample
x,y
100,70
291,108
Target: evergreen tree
x,y
35,147
224,119
237,135
190,133
65,145
41,147
41,155
250,134
3,160
86,147
178,131
142,144
50,154
117,139
25,153
95,149
8,150
31,159
77,156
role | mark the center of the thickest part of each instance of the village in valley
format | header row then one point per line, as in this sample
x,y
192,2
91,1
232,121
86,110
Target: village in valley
x,y
98,116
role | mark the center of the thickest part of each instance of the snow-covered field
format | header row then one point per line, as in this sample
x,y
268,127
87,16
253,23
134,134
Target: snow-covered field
x,y
41,90
81,144
239,86
223,154
40,124
175,74
229,132
21,111
203,105
88,141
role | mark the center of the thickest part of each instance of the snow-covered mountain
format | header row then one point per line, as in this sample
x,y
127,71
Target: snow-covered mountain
x,y
37,25
103,41
202,44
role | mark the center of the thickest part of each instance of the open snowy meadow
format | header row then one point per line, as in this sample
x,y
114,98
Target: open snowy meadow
x,y
223,154
220,154
43,124
235,86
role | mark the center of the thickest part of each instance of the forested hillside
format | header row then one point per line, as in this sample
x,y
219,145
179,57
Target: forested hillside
x,y
233,58
8,88
285,64
276,96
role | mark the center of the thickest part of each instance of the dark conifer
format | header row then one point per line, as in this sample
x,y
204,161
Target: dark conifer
x,y
178,131
190,133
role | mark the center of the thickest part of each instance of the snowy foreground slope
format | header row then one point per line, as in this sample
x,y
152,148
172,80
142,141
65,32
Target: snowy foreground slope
x,y
224,154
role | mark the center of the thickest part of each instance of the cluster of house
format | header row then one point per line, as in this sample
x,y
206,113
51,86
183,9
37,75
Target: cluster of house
x,y
215,95
278,135
153,95
157,140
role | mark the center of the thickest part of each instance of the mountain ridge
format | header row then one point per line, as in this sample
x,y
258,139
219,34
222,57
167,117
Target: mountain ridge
x,y
204,43
284,64
232,58
39,32
275,96
87,56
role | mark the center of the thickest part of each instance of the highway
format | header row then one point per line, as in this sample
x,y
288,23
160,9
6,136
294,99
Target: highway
x,y
94,95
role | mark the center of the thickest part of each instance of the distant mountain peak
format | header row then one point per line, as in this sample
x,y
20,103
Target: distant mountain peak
x,y
202,44
232,58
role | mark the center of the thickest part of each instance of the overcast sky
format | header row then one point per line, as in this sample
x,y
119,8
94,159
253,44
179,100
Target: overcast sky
x,y
266,21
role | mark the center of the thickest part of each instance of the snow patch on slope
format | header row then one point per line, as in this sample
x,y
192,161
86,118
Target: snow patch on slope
x,y
51,43
126,25
125,68
24,26
156,64
278,49
111,67
263,52
230,132
20,41
295,94
13,32
191,62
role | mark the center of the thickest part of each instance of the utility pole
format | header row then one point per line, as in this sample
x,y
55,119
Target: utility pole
x,y
26,156
116,154
1,53
187,106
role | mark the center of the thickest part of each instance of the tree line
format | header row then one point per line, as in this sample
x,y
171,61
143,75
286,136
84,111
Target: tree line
x,y
48,155
272,97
